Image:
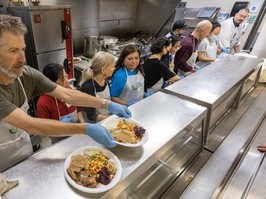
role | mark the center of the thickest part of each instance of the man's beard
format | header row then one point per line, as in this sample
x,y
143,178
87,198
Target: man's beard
x,y
8,72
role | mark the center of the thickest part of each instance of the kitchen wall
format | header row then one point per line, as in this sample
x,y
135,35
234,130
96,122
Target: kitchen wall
x,y
113,17
152,14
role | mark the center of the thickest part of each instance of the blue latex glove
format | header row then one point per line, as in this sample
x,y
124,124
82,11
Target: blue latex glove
x,y
147,94
197,67
226,50
165,83
130,103
119,110
100,135
67,119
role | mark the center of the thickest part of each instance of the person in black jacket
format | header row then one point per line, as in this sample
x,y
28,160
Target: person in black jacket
x,y
155,70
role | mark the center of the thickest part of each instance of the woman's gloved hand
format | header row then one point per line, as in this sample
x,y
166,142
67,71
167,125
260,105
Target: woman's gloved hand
x,y
147,94
100,135
197,67
130,103
226,50
119,110
67,119
165,83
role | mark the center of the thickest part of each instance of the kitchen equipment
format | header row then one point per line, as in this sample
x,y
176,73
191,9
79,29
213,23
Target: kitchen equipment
x,y
208,12
92,44
49,35
109,40
35,2
222,16
17,2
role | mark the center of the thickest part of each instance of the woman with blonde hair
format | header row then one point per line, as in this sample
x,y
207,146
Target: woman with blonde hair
x,y
94,82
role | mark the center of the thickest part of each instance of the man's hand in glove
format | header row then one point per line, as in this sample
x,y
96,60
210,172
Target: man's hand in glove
x,y
100,135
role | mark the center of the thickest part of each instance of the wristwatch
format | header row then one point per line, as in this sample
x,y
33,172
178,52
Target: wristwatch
x,y
104,103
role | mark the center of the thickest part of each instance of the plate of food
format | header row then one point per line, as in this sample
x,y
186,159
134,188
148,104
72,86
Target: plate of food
x,y
126,132
76,60
92,169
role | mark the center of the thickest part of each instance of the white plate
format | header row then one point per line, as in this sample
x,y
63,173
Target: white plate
x,y
101,188
76,60
112,123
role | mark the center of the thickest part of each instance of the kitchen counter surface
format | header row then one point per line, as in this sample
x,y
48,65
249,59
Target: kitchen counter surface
x,y
164,117
210,85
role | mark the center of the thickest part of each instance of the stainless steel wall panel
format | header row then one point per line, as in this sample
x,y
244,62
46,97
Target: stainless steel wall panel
x,y
117,9
151,15
117,17
222,108
116,27
251,81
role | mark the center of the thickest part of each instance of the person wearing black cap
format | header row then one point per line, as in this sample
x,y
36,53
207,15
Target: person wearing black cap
x,y
178,29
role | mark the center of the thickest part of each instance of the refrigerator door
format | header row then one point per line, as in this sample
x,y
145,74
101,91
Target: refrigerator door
x,y
51,57
47,31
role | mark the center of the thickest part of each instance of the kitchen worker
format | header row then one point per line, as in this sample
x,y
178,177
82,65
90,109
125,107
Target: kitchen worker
x,y
20,83
178,29
262,147
127,86
185,57
157,73
94,82
208,48
168,59
50,107
232,30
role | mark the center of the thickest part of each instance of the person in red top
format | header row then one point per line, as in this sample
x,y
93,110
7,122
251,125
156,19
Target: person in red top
x,y
50,107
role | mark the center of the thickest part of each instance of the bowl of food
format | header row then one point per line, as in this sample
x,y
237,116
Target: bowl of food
x,y
76,60
35,2
126,132
92,169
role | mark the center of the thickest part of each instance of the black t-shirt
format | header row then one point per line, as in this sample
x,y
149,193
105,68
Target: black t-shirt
x,y
87,87
154,70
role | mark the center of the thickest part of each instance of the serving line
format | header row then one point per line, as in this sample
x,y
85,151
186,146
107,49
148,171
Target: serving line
x,y
42,175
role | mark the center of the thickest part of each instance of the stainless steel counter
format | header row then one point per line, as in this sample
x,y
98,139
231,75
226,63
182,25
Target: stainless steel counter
x,y
164,116
237,168
216,86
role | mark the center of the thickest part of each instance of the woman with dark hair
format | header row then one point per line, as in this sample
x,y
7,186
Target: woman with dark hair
x,y
127,85
156,71
208,47
52,108
168,59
